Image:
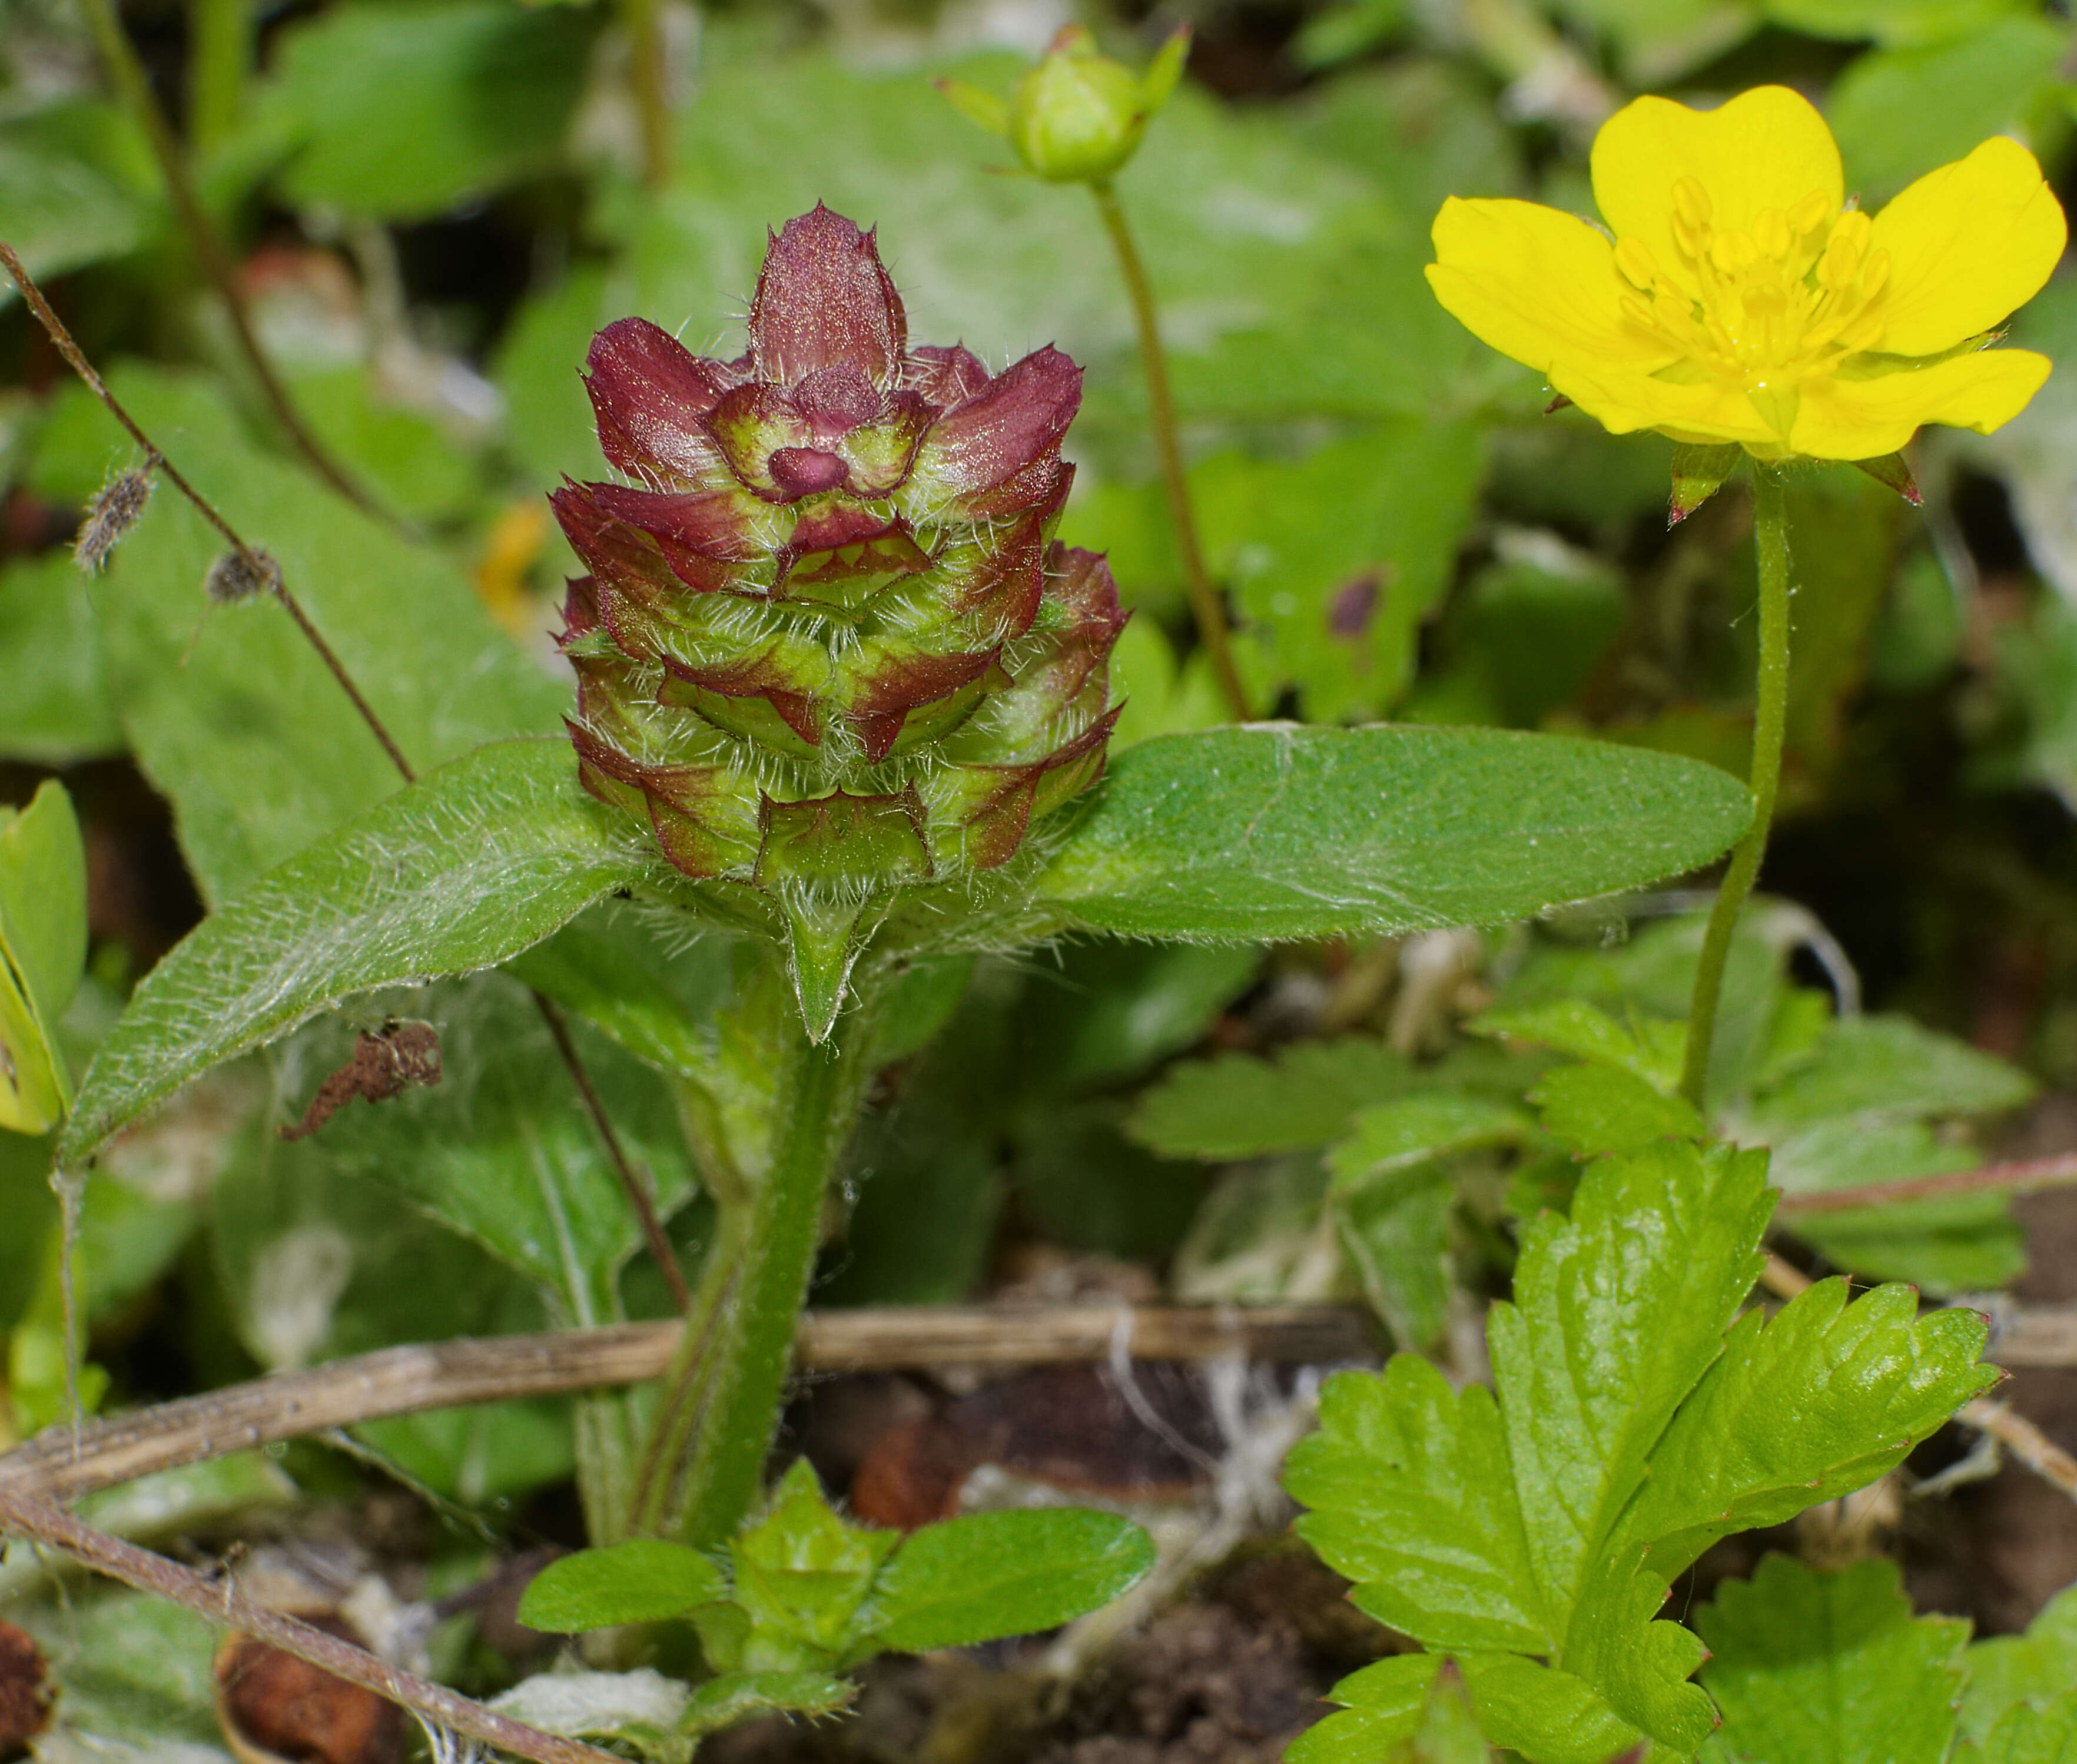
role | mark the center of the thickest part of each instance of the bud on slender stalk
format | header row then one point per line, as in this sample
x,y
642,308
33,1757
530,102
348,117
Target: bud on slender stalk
x,y
828,648
1078,116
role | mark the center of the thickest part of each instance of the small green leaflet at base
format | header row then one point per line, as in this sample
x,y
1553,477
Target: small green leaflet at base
x,y
1815,1668
473,863
644,1580
806,1592
1629,1425
1274,831
985,1575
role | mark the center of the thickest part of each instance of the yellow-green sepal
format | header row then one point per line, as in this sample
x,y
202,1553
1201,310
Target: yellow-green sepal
x,y
1700,469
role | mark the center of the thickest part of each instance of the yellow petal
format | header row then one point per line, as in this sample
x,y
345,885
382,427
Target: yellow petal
x,y
1766,148
1862,419
1623,400
1969,245
1536,284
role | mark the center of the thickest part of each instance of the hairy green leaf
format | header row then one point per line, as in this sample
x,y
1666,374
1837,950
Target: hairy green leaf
x,y
1239,1106
736,1697
1815,1668
1889,1068
644,1580
59,710
474,863
984,1575
1283,832
2008,1670
1597,1109
1630,1423
1407,1131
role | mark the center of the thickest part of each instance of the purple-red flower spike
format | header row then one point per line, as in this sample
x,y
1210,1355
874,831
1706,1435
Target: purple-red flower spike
x,y
828,645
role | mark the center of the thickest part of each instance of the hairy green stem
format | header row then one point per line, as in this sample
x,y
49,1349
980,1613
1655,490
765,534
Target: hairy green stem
x,y
1771,536
1206,605
648,73
219,56
705,1457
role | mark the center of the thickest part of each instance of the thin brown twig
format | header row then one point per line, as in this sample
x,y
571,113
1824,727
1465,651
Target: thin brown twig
x,y
219,1600
134,86
458,1374
631,1183
2019,1176
262,569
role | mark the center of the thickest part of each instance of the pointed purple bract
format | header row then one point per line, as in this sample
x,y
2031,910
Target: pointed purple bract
x,y
1013,423
823,300
651,394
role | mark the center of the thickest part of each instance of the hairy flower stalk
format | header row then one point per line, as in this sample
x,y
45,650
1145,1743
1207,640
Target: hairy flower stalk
x,y
828,647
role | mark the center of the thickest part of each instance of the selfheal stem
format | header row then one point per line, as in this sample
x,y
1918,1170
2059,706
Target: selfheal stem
x,y
1205,607
219,58
706,1458
1770,537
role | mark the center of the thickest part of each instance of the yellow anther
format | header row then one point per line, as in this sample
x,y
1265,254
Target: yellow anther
x,y
1854,227
1770,233
1841,263
1731,252
1633,258
1688,239
1691,202
1874,275
1811,213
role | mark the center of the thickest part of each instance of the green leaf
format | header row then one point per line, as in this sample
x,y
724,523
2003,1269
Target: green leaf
x,y
1889,1068
474,863
1395,1232
985,1575
43,953
1630,1423
502,1151
1283,832
1899,113
1811,1404
77,184
1598,1108
59,710
409,111
1646,1049
2008,1671
644,1580
616,984
642,1709
1239,1106
1383,1707
736,1697
1814,1668
230,712
2027,1734
1391,1137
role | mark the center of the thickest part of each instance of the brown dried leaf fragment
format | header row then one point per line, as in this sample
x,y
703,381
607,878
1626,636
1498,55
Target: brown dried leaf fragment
x,y
239,576
117,507
26,1692
384,1065
274,1706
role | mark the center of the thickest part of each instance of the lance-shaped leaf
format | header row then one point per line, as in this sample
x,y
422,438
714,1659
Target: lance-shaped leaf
x,y
1276,831
43,951
475,862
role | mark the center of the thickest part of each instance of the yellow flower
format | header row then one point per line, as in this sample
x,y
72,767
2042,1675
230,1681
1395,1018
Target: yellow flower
x,y
1743,299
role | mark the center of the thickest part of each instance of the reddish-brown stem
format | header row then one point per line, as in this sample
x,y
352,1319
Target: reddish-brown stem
x,y
134,86
219,1600
156,461
2021,1177
631,1183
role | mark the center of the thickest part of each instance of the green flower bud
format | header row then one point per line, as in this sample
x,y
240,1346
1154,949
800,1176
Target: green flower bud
x,y
1077,116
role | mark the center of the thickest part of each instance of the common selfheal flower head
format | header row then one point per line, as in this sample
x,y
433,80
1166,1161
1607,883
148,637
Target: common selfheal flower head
x,y
1737,296
828,644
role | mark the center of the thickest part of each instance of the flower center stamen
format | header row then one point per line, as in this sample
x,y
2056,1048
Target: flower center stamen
x,y
1767,306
